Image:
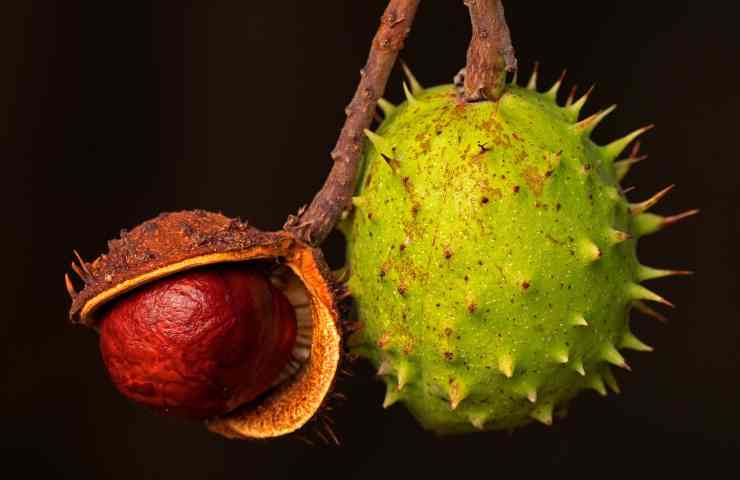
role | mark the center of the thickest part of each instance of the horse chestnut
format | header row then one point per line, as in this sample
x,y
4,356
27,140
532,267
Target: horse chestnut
x,y
199,343
205,316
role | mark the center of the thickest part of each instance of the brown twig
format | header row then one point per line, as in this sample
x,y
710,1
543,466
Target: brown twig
x,y
313,224
490,54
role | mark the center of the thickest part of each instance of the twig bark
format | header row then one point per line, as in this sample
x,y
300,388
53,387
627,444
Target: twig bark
x,y
313,224
490,54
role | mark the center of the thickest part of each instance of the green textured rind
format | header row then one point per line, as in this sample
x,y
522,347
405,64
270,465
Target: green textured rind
x,y
482,235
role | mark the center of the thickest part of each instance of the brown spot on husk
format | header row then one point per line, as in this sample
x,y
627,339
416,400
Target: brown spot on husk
x,y
535,181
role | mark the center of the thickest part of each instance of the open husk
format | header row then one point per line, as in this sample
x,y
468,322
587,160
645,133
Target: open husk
x,y
175,242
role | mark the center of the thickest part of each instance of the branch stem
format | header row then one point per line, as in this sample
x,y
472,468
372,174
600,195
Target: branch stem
x,y
490,54
313,224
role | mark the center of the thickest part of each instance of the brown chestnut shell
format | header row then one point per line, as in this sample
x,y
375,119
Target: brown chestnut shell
x,y
178,241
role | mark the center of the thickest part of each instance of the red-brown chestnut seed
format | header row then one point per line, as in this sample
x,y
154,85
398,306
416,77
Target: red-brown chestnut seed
x,y
199,343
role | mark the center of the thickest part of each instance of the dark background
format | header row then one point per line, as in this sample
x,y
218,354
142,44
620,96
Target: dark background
x,y
114,111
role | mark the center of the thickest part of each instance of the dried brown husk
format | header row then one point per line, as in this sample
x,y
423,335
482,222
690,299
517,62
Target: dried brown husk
x,y
179,241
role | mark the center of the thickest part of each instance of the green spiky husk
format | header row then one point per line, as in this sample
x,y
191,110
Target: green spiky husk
x,y
492,259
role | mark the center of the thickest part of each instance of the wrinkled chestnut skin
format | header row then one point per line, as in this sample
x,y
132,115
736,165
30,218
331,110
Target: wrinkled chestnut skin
x,y
200,343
